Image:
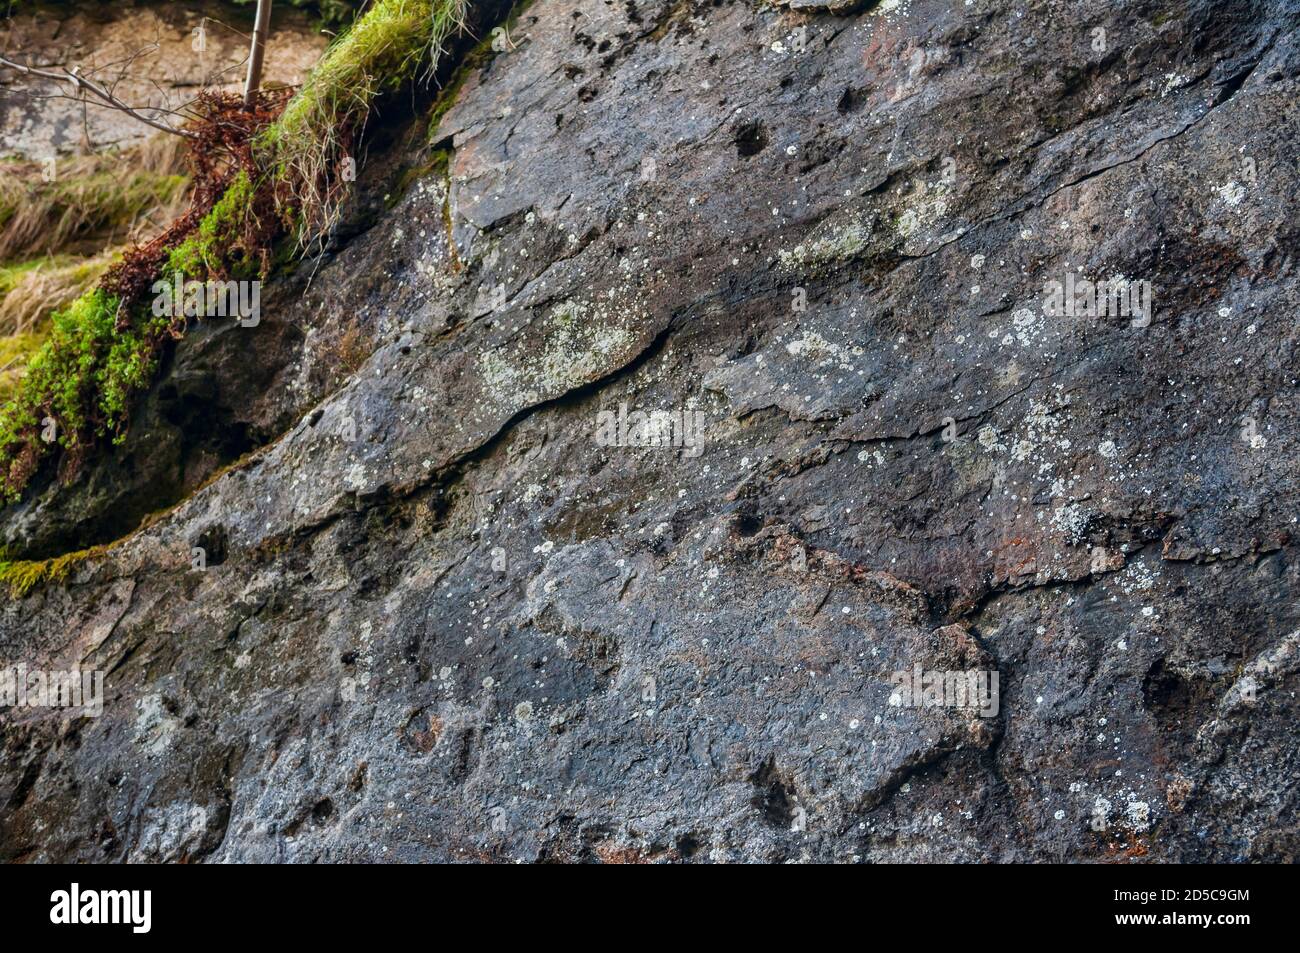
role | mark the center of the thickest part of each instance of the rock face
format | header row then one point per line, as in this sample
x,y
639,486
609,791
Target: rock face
x,y
452,610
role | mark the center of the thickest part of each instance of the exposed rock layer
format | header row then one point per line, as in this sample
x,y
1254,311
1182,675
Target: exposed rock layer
x,y
439,620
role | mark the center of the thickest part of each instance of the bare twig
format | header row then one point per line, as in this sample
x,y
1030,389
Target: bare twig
x,y
182,112
102,95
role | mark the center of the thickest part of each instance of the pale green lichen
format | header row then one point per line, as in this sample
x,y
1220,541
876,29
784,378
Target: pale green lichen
x,y
926,207
829,245
581,343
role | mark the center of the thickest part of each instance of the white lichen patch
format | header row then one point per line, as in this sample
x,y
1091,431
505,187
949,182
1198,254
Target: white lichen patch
x,y
1138,815
1172,81
1071,520
581,342
1028,326
1231,192
154,725
1125,809
1037,443
828,244
811,345
1136,577
926,207
170,830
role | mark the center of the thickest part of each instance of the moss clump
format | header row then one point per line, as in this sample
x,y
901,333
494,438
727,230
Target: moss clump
x,y
78,385
24,575
308,146
383,50
217,246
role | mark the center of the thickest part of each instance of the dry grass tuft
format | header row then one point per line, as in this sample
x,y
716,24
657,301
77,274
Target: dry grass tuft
x,y
32,291
97,200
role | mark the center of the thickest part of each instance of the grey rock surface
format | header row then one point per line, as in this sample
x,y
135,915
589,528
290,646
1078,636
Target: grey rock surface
x,y
443,618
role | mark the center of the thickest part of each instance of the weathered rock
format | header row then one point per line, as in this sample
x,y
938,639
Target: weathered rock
x,y
449,621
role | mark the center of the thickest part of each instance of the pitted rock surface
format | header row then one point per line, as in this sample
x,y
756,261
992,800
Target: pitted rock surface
x,y
450,622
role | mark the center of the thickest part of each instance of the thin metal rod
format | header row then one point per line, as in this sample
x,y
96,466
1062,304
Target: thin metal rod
x,y
260,28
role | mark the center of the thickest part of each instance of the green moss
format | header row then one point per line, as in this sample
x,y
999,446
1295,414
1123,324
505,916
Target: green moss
x,y
21,576
97,355
214,247
24,575
306,145
81,378
383,50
